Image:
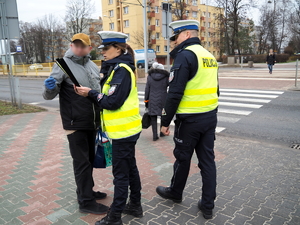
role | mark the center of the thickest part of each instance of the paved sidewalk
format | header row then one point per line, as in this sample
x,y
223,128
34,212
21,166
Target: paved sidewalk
x,y
258,183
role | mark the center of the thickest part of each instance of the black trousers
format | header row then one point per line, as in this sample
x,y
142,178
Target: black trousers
x,y
196,133
125,172
82,148
154,126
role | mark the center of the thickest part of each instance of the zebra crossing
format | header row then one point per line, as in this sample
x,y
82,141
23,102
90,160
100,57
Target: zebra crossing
x,y
234,104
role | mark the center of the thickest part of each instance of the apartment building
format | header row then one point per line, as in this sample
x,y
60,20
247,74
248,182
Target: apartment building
x,y
127,16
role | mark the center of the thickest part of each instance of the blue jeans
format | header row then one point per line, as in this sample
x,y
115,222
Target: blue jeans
x,y
270,66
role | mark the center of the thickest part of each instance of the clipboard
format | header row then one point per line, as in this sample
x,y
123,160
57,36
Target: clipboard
x,y
65,68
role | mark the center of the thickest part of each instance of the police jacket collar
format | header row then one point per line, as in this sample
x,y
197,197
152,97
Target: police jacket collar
x,y
183,45
127,59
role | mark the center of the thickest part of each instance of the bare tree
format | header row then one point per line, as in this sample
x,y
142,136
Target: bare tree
x,y
78,15
235,11
179,9
137,38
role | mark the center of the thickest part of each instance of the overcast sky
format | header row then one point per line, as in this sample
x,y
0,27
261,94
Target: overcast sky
x,y
31,10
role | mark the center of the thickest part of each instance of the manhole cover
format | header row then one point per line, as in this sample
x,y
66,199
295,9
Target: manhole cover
x,y
296,146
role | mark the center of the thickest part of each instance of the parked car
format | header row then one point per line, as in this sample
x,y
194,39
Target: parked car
x,y
36,66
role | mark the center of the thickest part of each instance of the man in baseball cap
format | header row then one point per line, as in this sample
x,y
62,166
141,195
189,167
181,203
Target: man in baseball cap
x,y
80,118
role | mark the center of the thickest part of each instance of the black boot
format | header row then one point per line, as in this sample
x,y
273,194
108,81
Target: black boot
x,y
134,209
165,192
112,218
93,207
207,213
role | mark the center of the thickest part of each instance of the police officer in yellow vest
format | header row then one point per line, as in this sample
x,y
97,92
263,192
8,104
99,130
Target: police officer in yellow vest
x,y
121,120
193,97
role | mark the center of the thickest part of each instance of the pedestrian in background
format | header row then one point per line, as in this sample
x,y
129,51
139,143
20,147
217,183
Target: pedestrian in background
x,y
271,60
80,118
155,94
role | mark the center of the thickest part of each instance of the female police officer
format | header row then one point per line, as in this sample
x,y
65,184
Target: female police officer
x,y
121,121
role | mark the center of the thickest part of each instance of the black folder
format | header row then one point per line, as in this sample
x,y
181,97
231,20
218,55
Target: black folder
x,y
65,68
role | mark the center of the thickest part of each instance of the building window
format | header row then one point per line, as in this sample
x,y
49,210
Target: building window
x,y
208,24
204,24
128,39
214,25
111,26
195,14
157,48
186,1
111,13
208,34
157,23
126,10
110,2
209,44
157,35
203,14
156,9
149,21
209,15
166,48
126,23
194,2
187,12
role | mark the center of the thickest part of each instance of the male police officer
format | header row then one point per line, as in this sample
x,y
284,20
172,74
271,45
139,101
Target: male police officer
x,y
193,97
80,118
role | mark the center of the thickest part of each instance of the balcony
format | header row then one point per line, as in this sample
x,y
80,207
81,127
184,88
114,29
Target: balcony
x,y
151,14
202,28
151,27
150,1
202,38
202,18
152,41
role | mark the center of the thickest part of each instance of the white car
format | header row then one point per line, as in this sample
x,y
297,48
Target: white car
x,y
36,66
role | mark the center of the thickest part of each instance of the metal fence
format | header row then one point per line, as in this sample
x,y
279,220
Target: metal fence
x,y
39,69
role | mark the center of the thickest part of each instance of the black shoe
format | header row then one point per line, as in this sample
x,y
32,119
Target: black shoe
x,y
207,213
99,195
161,134
134,209
112,218
155,138
165,192
93,207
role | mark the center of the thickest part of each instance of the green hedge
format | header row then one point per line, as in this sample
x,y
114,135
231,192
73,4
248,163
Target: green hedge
x,y
294,58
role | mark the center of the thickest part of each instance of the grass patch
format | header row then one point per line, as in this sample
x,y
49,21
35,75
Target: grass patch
x,y
6,108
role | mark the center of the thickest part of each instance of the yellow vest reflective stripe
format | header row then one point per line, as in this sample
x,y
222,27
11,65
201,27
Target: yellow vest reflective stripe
x,y
200,94
125,121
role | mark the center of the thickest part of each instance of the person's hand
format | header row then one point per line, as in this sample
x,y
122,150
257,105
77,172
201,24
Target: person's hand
x,y
165,130
83,91
50,83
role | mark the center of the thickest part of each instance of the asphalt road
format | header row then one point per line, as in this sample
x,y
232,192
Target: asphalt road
x,y
276,120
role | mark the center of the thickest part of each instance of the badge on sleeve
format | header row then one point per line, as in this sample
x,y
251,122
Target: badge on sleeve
x,y
171,77
112,90
99,97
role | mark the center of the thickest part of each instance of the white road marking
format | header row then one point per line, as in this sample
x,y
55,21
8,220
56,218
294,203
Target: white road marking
x,y
245,105
236,112
226,119
252,91
249,95
244,99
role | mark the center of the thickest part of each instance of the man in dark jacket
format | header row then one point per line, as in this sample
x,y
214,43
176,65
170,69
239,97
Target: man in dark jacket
x,y
156,93
80,118
271,60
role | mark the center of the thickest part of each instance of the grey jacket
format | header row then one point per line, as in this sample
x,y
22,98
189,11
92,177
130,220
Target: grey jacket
x,y
77,112
156,90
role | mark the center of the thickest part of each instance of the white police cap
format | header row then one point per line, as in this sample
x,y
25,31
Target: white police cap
x,y
111,37
182,25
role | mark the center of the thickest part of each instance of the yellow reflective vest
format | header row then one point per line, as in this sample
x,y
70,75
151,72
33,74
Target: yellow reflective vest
x,y
201,92
125,121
